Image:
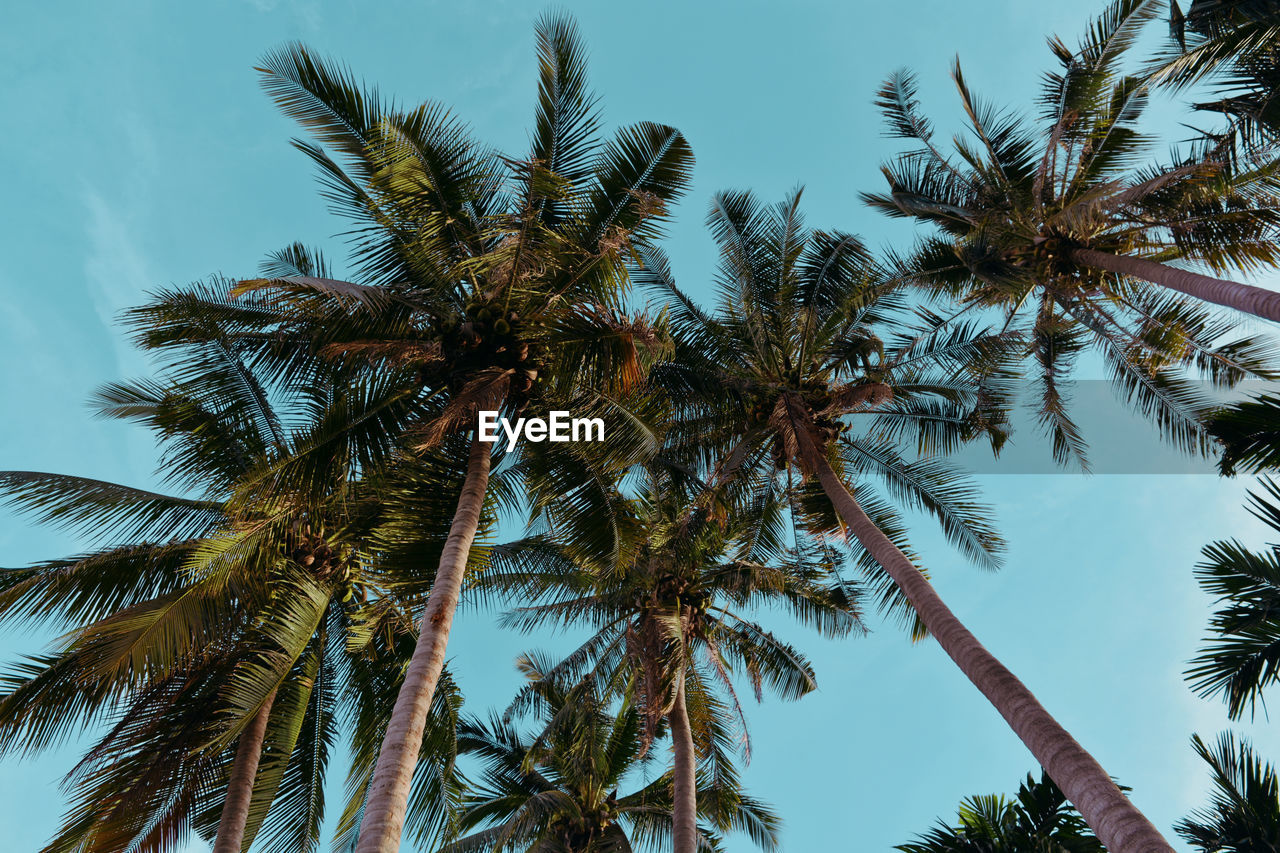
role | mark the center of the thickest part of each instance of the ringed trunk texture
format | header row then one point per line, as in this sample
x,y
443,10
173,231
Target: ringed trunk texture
x,y
684,815
1115,820
244,770
1242,297
388,795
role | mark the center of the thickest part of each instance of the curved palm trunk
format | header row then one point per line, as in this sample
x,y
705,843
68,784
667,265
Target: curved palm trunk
x,y
1115,820
1241,297
388,795
244,770
684,815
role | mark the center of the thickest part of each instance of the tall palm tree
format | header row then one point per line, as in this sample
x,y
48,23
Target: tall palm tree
x,y
1038,819
558,788
671,615
809,341
1063,226
1244,813
1242,655
496,280
218,633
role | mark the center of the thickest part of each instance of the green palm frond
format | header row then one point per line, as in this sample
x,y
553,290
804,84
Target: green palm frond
x,y
1038,818
1241,657
107,511
1244,809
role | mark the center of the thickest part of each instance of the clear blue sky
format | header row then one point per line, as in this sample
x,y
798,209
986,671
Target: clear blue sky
x,y
139,152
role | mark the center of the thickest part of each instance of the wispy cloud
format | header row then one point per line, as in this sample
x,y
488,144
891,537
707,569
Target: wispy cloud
x,y
116,268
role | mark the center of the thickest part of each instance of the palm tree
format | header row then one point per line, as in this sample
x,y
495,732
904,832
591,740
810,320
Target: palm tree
x,y
1037,820
495,281
219,633
1062,227
1244,814
807,342
670,617
1242,655
161,768
558,788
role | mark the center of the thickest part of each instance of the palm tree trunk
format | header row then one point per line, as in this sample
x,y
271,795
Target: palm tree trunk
x,y
244,770
1242,297
684,814
388,795
1115,820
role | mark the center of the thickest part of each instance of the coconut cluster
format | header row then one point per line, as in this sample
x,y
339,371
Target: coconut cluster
x,y
1050,260
325,561
670,589
817,399
828,428
583,831
487,336
1051,257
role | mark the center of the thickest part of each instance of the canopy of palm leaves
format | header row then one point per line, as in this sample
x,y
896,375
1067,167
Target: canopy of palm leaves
x,y
316,426
679,604
560,786
1243,815
481,281
487,282
1026,208
279,585
809,337
1038,819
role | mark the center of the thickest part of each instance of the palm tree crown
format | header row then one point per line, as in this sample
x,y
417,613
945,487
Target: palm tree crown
x,y
1038,819
560,787
259,606
811,342
1063,227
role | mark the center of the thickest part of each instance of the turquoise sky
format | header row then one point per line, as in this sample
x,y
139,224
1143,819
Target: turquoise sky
x,y
139,152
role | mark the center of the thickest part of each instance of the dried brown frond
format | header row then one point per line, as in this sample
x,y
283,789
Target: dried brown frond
x,y
795,427
648,205
485,392
858,396
647,644
638,342
614,240
391,352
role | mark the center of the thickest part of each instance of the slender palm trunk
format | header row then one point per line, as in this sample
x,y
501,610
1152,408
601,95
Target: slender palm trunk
x,y
1115,820
1242,297
388,795
244,770
684,815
